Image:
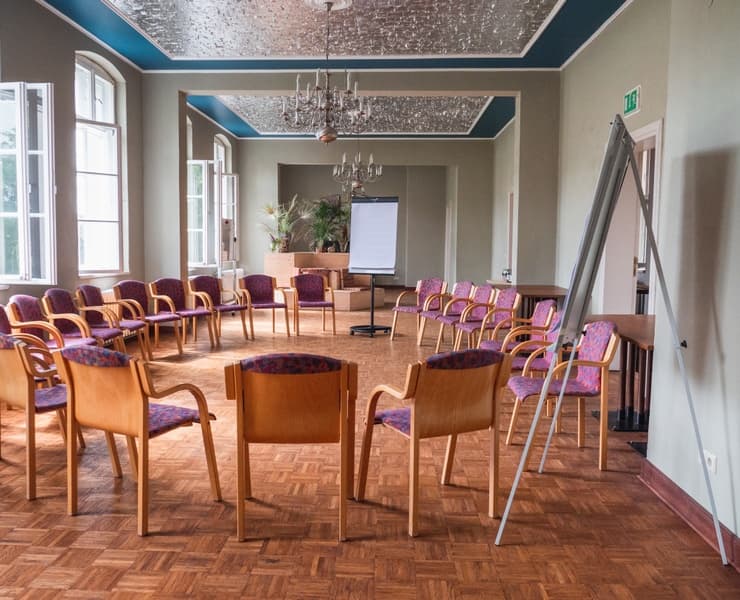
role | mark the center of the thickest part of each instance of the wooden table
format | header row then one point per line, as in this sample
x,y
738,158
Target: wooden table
x,y
637,333
533,293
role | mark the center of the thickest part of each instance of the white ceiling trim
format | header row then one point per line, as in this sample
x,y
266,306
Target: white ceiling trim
x,y
555,10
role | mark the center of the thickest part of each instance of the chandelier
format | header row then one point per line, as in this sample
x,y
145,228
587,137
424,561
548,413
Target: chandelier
x,y
354,175
324,108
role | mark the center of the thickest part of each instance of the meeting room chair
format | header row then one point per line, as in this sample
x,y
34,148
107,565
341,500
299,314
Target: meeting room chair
x,y
424,289
481,300
591,379
257,292
451,306
92,296
534,328
27,316
293,399
62,311
111,391
497,317
311,291
209,292
20,374
448,394
169,294
136,297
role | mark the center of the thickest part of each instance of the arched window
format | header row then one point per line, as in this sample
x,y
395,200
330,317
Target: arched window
x,y
100,190
222,152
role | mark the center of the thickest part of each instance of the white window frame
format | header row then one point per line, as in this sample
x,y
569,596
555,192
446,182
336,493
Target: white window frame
x,y
97,70
23,211
203,198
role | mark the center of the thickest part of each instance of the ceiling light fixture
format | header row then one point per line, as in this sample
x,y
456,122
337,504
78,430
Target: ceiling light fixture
x,y
327,108
353,176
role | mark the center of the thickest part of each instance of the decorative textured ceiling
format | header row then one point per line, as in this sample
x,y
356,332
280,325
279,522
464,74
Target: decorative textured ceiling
x,y
369,28
393,115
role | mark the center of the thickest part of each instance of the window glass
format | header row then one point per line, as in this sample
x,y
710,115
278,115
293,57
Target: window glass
x,y
97,149
97,252
83,104
9,259
8,123
8,183
97,197
105,100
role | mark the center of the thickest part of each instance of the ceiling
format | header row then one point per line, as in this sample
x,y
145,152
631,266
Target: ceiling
x,y
204,35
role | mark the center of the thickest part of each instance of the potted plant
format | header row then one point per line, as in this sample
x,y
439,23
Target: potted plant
x,y
329,224
281,223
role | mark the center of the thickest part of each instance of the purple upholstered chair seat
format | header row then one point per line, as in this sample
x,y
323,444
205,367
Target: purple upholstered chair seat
x,y
50,398
395,418
315,304
268,304
537,364
229,307
524,387
73,340
193,312
162,317
290,363
166,417
131,324
407,309
105,333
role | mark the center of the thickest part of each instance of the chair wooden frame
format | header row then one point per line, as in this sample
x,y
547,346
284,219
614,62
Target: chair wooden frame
x,y
443,402
116,400
490,304
207,301
268,406
19,325
157,297
296,308
416,291
246,298
473,338
522,326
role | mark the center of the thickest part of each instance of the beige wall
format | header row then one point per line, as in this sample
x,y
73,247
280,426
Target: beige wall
x,y
504,176
700,246
632,50
36,46
204,131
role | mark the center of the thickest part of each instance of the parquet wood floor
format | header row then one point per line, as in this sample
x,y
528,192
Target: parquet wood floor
x,y
574,532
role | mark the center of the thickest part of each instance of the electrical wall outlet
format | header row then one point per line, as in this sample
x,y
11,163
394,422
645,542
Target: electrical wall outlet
x,y
711,461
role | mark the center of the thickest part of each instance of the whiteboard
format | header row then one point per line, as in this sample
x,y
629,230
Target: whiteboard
x,y
372,237
619,148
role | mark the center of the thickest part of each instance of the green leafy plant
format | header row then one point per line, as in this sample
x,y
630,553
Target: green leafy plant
x,y
329,223
282,221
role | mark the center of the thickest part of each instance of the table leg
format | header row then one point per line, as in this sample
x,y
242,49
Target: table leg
x,y
630,381
622,412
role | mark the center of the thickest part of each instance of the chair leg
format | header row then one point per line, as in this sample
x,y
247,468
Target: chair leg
x,y
143,488
413,482
133,456
440,336
194,327
178,335
273,320
367,440
80,438
393,325
62,417
493,475
251,322
422,327
457,339
603,421
113,452
244,324
287,325
512,423
581,422
156,335
449,459
343,477
71,464
205,428
333,321
30,454
323,319
243,486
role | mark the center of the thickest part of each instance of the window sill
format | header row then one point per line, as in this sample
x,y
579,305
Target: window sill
x,y
91,276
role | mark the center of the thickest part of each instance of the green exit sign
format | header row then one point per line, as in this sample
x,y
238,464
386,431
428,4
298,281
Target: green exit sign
x,y
632,101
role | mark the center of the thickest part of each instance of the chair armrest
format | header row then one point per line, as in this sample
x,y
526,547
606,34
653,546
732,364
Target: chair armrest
x,y
562,366
409,389
329,291
81,324
110,317
244,297
471,307
520,330
406,293
35,344
194,390
452,301
136,310
53,332
526,344
203,297
166,299
433,298
284,293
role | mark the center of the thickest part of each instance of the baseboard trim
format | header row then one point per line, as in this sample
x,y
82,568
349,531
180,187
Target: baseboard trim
x,y
695,515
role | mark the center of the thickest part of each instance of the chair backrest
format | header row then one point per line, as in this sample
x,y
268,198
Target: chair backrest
x,y
57,301
427,287
18,385
483,294
593,347
543,313
309,287
292,398
208,284
506,299
261,288
173,289
552,336
91,295
461,289
27,308
131,289
456,391
104,389
4,322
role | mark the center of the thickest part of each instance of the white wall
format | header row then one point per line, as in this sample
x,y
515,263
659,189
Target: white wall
x,y
504,175
700,247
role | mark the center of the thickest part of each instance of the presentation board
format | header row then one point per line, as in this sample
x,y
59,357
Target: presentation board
x,y
373,232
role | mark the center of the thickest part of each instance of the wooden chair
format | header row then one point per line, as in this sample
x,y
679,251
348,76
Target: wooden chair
x,y
171,293
424,289
310,291
209,292
90,296
293,399
27,316
111,391
20,373
498,317
136,296
595,354
61,310
533,328
481,300
452,305
258,292
450,394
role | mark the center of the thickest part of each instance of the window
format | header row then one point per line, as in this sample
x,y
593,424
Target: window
x,y
198,193
99,197
26,184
